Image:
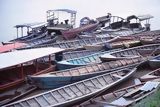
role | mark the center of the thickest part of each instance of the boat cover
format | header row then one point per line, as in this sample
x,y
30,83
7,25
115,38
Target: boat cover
x,y
21,56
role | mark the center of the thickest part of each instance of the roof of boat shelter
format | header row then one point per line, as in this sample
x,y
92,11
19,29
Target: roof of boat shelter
x,y
144,17
64,10
21,56
32,25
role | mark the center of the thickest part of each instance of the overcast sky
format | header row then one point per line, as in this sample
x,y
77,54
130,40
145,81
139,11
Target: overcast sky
x,y
26,11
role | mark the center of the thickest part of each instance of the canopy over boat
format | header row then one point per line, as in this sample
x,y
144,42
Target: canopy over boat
x,y
18,57
65,10
31,25
144,17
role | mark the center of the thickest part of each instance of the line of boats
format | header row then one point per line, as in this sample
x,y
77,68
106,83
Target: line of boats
x,y
80,69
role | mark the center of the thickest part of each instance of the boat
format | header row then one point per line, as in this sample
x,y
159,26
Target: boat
x,y
140,51
76,92
113,45
34,30
155,62
16,93
16,65
7,47
60,78
72,33
155,74
150,40
125,97
60,20
77,54
81,61
72,44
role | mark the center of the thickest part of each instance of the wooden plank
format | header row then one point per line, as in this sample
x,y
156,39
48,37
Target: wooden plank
x,y
54,97
99,81
37,102
46,99
131,93
61,94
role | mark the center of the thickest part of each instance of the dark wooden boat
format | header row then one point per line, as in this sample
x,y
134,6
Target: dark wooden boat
x,y
73,93
72,33
150,40
82,61
64,77
72,44
155,74
16,65
77,54
38,42
113,45
16,93
140,51
124,97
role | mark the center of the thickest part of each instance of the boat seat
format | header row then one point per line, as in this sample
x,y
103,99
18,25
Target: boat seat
x,y
131,93
95,87
117,76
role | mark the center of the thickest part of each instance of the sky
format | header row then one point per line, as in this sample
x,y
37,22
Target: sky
x,y
15,12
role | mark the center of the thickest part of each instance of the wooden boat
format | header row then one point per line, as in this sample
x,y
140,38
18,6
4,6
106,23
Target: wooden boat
x,y
72,33
39,42
140,51
113,45
10,46
150,40
76,92
155,74
72,44
124,97
64,77
81,61
155,62
16,93
77,54
16,65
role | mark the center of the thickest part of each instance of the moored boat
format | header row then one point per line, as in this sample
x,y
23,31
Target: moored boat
x,y
82,61
72,44
64,77
76,92
17,64
155,62
150,40
113,45
155,74
124,97
140,51
72,33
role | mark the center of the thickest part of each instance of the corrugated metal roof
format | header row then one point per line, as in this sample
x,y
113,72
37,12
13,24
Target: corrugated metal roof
x,y
21,56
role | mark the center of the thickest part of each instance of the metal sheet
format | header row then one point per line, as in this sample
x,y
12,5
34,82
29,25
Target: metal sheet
x,y
22,56
148,86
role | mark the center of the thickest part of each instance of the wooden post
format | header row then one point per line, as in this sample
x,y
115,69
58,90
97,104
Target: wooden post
x,y
50,59
22,72
36,66
17,32
22,31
